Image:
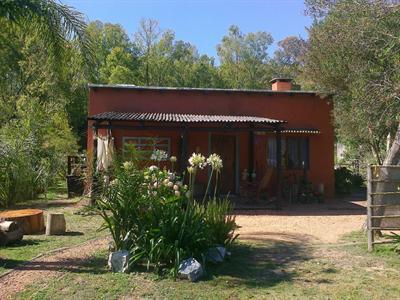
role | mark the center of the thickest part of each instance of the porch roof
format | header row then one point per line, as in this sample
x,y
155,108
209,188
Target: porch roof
x,y
181,118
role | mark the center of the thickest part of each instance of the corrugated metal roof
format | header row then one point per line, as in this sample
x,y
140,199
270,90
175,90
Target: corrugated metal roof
x,y
160,88
301,130
181,118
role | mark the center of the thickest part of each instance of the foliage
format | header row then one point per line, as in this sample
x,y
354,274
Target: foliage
x,y
55,23
42,66
346,181
353,54
151,213
395,238
221,222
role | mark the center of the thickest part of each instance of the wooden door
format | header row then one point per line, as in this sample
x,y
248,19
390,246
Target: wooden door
x,y
225,145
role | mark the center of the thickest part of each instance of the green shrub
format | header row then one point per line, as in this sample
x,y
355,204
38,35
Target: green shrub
x,y
150,212
346,181
221,222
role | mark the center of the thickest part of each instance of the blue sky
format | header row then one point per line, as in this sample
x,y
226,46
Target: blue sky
x,y
202,22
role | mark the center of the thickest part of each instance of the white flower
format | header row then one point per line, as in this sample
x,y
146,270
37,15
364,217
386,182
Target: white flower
x,y
185,187
177,193
147,177
187,194
173,159
179,183
155,193
170,184
215,161
176,188
190,170
153,168
127,165
197,160
166,180
171,176
155,184
159,155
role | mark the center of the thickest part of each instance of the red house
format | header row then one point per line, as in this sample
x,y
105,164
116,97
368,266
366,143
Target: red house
x,y
246,127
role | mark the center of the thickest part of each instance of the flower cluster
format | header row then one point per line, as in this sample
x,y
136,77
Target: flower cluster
x,y
197,160
128,165
159,155
163,183
215,161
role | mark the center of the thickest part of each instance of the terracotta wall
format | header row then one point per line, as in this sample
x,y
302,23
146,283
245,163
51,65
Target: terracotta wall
x,y
301,110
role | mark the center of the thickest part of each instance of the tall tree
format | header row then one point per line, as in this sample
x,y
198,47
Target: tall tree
x,y
289,58
244,58
354,54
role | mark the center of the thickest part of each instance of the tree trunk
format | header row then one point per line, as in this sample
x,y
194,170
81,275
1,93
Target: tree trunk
x,y
392,158
55,224
10,233
30,220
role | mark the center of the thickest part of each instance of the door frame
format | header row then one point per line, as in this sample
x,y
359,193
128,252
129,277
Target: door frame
x,y
237,158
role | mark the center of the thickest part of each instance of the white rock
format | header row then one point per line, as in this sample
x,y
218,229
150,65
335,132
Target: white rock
x,y
119,261
190,269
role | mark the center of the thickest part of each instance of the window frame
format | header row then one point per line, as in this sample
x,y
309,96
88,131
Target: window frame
x,y
285,152
152,146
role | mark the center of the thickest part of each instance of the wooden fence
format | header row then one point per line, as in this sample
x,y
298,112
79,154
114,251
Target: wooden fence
x,y
383,201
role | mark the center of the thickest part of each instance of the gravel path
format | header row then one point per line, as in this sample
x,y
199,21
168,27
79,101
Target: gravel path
x,y
48,267
306,223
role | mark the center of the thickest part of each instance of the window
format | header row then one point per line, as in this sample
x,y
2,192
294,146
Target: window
x,y
295,152
144,146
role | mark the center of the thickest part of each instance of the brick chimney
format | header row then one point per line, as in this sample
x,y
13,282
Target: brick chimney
x,y
281,84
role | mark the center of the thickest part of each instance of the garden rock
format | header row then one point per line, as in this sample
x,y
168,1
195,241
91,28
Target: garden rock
x,y
216,254
190,269
119,261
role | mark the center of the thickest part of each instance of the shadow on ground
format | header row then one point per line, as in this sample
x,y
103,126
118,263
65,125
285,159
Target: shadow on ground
x,y
253,265
261,264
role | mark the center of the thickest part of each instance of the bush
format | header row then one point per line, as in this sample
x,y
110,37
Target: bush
x,y
150,212
346,181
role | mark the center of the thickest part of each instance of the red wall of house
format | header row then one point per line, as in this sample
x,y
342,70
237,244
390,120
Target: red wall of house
x,y
301,110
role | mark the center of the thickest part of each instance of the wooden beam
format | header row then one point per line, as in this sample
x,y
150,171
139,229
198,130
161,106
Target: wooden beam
x,y
251,155
279,164
370,230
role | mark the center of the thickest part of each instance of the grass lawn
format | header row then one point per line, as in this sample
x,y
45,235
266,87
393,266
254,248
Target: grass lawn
x,y
271,269
79,229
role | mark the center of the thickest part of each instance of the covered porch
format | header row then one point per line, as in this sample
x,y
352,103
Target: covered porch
x,y
234,138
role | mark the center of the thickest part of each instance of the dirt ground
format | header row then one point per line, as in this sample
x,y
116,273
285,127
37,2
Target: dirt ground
x,y
306,224
317,223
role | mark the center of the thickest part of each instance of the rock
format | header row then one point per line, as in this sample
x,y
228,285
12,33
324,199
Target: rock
x,y
119,261
190,269
216,254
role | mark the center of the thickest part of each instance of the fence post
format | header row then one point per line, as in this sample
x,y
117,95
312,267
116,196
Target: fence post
x,y
370,231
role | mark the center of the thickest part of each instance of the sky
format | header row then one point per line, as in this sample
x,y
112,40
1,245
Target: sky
x,y
203,23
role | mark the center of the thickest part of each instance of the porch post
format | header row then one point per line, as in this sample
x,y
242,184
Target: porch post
x,y
251,154
279,164
184,149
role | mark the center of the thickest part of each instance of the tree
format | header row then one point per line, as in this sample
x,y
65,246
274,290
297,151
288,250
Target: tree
x,y
55,24
145,40
244,58
289,59
107,37
354,55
